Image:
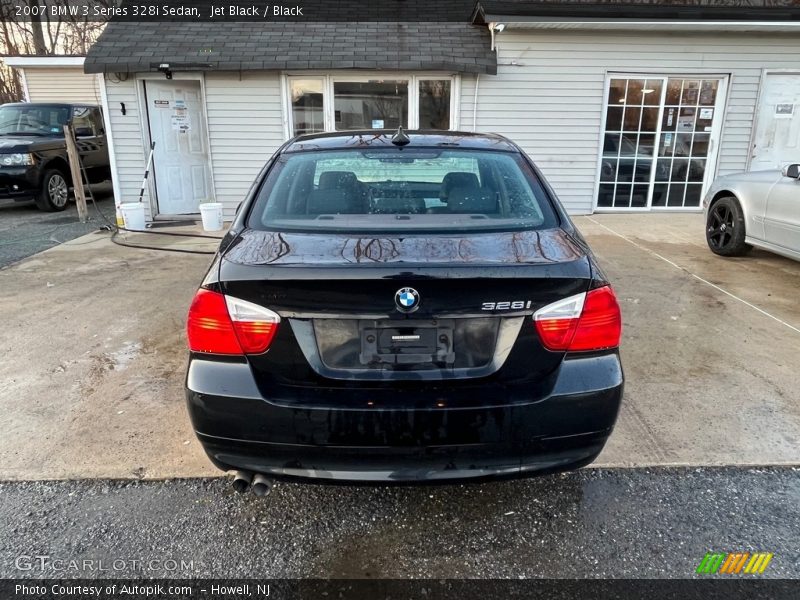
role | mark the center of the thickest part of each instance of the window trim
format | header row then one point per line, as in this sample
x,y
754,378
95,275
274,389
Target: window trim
x,y
288,111
328,79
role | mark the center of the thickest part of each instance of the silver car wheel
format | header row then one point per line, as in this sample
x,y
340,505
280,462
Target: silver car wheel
x,y
58,190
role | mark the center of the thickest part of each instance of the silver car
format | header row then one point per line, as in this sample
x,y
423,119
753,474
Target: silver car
x,y
761,208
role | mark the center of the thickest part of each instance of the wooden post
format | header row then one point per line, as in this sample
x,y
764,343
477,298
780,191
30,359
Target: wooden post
x,y
75,169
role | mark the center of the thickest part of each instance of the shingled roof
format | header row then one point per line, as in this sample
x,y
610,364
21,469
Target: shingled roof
x,y
127,47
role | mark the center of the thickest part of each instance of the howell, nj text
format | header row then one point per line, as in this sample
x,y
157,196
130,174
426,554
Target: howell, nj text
x,y
243,589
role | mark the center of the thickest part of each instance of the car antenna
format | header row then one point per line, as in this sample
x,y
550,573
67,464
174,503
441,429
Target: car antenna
x,y
400,138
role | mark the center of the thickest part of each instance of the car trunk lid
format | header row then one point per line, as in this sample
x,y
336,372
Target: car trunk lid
x,y
339,298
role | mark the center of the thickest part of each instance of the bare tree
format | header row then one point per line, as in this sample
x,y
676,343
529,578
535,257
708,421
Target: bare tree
x,y
36,31
42,35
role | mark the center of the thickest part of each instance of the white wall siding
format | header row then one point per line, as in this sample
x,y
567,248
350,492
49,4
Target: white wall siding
x,y
245,125
548,93
467,107
128,142
61,84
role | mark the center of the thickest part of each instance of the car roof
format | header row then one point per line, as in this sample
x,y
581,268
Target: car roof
x,y
381,138
65,104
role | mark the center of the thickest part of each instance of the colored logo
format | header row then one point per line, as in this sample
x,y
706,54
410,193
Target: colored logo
x,y
407,299
734,563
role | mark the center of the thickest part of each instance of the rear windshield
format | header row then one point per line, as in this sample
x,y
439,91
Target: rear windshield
x,y
401,189
33,120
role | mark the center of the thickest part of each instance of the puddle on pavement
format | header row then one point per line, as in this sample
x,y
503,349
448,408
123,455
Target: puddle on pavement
x,y
125,355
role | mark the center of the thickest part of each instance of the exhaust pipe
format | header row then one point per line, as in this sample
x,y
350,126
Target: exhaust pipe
x,y
262,485
241,481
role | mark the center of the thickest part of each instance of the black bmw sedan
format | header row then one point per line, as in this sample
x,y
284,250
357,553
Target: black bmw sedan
x,y
398,307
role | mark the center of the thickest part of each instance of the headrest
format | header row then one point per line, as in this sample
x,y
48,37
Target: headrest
x,y
332,202
337,180
457,179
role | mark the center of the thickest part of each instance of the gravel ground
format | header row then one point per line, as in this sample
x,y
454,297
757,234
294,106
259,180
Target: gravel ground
x,y
25,230
634,523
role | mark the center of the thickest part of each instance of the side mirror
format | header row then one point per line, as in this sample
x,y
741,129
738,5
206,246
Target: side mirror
x,y
84,132
792,171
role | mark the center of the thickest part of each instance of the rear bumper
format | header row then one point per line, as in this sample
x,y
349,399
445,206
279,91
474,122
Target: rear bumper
x,y
239,429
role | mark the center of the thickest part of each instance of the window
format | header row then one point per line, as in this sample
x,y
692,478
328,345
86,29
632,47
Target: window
x,y
392,189
97,117
82,122
346,103
684,145
434,104
629,142
657,141
370,104
35,120
308,115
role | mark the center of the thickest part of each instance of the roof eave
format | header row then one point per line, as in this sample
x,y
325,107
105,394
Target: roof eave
x,y
91,67
43,61
517,22
732,17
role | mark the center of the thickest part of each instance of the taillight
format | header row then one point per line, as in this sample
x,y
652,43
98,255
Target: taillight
x,y
581,323
220,324
255,325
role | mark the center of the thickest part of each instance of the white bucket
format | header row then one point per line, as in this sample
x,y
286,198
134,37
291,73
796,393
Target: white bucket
x,y
133,215
211,212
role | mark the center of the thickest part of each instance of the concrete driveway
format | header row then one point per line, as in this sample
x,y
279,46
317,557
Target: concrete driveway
x,y
711,346
94,352
26,230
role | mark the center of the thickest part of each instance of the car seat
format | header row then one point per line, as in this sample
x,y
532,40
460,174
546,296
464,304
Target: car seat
x,y
339,192
470,200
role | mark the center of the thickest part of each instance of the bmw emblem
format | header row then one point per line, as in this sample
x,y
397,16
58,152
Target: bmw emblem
x,y
407,299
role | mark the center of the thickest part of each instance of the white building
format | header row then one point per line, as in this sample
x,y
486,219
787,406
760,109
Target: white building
x,y
56,79
621,113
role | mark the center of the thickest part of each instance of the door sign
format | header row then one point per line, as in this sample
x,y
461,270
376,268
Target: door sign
x,y
180,117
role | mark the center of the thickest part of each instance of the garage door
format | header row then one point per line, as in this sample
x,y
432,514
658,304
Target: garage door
x,y
777,139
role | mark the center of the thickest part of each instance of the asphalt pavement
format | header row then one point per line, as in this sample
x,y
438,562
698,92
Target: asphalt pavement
x,y
103,399
26,230
632,523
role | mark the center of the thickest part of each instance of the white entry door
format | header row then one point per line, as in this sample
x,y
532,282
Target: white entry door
x,y
180,162
777,140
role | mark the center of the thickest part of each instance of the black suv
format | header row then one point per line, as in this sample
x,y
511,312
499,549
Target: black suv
x,y
402,308
33,153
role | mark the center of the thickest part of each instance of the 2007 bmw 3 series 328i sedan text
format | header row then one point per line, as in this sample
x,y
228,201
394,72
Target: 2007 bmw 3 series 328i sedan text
x,y
402,307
